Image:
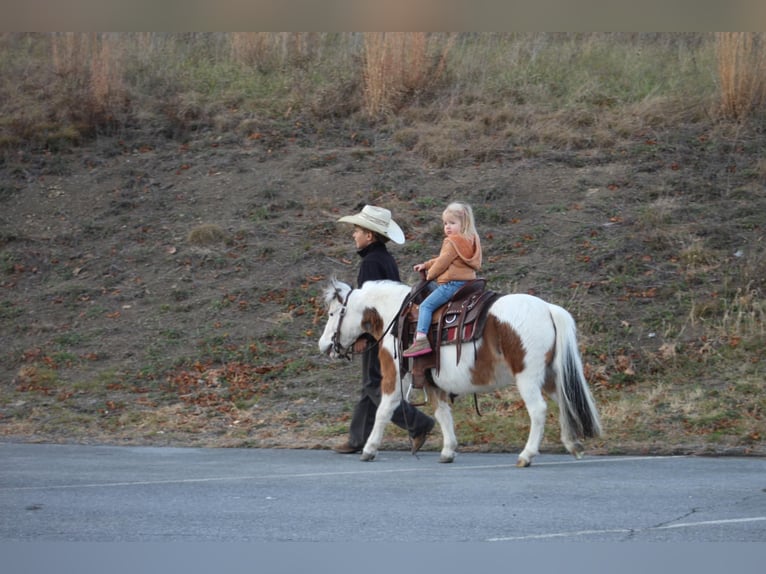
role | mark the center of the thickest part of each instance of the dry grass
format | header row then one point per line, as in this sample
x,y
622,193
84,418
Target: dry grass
x,y
267,51
90,67
206,234
399,64
744,315
254,48
742,72
580,84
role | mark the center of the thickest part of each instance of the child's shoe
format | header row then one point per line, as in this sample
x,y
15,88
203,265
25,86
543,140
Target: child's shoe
x,y
418,347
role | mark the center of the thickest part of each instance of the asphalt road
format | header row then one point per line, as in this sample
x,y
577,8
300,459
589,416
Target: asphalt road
x,y
68,493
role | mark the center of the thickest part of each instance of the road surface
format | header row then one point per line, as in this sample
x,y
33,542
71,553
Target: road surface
x,y
141,494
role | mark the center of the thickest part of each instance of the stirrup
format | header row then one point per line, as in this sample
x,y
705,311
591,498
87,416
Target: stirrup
x,y
408,395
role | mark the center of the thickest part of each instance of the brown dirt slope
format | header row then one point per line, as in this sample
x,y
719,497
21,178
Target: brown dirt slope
x,y
157,292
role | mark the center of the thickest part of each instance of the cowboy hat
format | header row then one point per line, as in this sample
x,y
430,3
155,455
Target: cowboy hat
x,y
377,219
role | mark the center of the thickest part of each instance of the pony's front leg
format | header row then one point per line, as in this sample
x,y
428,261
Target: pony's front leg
x,y
443,415
386,408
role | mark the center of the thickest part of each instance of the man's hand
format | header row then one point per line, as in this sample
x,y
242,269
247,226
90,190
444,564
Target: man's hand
x,y
360,345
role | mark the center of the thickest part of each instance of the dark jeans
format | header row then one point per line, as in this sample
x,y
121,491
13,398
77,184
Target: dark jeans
x,y
405,416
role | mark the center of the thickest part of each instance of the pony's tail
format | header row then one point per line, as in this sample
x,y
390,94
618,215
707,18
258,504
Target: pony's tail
x,y
578,409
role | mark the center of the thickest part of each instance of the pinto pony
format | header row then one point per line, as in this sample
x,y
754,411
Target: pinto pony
x,y
526,341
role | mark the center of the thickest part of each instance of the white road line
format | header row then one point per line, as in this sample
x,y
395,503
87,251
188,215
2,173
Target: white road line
x,y
575,533
710,522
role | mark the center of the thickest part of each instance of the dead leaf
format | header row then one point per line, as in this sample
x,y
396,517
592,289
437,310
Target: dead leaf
x,y
625,365
667,350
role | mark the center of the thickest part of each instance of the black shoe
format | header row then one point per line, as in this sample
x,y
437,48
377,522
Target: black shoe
x,y
419,440
347,448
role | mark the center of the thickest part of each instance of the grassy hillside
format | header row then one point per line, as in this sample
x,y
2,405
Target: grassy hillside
x,y
169,205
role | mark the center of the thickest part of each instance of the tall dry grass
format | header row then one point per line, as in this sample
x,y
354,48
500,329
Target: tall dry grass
x,y
90,69
742,72
92,80
267,51
400,64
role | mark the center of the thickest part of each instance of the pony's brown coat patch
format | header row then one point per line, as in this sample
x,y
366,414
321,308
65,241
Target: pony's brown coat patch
x,y
372,322
549,386
501,342
388,371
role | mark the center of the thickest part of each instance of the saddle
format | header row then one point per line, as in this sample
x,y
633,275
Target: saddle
x,y
460,320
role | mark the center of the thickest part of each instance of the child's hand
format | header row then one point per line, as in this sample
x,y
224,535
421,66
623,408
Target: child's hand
x,y
419,267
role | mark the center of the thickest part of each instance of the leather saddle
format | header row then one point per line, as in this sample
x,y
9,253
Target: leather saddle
x,y
460,320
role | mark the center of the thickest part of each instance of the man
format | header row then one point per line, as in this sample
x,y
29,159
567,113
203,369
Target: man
x,y
373,228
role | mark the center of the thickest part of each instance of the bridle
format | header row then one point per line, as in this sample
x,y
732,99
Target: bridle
x,y
337,348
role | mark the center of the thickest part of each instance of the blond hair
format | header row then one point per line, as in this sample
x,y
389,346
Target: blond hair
x,y
464,214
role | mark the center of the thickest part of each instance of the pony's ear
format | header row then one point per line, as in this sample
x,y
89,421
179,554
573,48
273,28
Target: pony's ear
x,y
332,291
337,286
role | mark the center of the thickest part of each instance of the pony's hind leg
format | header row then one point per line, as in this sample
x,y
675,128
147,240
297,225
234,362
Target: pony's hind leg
x,y
536,408
443,415
570,442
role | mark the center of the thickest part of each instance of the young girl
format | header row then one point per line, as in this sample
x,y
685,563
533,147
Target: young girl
x,y
458,262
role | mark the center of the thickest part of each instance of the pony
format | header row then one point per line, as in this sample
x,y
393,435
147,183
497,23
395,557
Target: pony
x,y
525,341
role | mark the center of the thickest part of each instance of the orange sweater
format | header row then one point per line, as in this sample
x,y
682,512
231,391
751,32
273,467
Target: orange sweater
x,y
458,260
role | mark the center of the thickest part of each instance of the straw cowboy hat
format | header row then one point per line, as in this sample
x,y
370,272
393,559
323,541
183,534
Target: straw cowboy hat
x,y
377,219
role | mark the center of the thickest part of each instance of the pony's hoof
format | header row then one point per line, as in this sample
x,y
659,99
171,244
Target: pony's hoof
x,y
523,463
367,457
447,458
578,451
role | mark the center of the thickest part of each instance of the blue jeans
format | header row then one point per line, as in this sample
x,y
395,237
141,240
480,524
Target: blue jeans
x,y
436,299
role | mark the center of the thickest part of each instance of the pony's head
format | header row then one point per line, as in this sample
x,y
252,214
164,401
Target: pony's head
x,y
342,328
353,312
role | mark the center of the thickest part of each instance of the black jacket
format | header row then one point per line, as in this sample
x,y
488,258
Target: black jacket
x,y
377,263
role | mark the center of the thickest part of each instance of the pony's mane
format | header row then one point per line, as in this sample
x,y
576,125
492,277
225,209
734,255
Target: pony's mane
x,y
337,287
384,290
381,283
